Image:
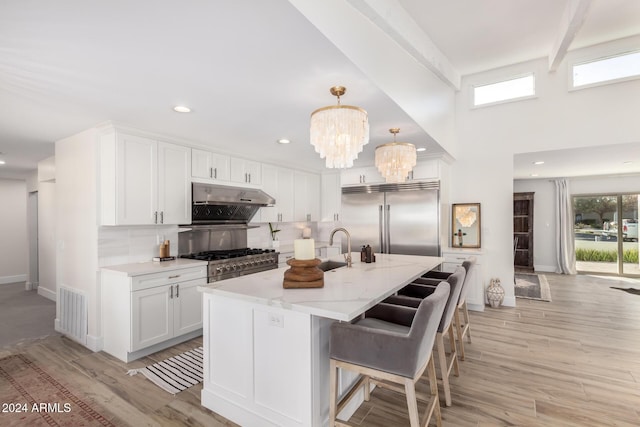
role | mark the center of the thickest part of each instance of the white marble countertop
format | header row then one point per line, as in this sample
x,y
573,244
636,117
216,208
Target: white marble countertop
x,y
347,292
140,268
283,249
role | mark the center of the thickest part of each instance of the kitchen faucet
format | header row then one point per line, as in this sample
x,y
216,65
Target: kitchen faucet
x,y
347,256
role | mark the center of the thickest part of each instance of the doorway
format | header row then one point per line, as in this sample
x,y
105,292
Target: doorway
x,y
32,233
606,234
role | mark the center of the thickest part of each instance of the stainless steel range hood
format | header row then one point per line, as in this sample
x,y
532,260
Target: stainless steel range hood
x,y
220,204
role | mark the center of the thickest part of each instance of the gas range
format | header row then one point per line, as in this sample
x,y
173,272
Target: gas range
x,y
225,264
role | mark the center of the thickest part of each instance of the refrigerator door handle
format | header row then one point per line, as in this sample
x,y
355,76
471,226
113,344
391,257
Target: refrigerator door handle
x,y
387,218
380,228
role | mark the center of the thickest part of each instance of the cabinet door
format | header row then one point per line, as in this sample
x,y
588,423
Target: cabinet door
x,y
151,316
220,167
306,197
187,307
245,171
285,199
136,180
369,175
425,170
330,197
174,184
201,164
270,186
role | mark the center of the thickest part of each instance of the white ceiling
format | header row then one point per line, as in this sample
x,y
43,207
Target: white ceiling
x,y
252,71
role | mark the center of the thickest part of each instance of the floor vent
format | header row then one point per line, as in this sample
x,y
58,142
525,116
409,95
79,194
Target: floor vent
x,y
73,314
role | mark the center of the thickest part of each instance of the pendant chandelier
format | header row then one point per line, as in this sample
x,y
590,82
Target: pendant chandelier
x,y
339,132
395,160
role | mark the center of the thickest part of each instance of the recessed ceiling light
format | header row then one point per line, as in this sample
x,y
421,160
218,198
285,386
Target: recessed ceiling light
x,y
181,109
421,149
2,162
534,174
538,162
283,141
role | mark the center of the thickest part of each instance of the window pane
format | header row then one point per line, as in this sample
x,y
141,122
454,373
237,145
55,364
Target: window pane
x,y
596,239
604,70
509,89
630,263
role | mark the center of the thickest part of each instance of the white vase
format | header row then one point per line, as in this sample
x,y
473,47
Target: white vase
x,y
495,293
275,244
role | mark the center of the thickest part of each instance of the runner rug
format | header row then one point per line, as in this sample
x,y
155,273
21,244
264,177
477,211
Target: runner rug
x,y
630,290
532,286
175,374
30,396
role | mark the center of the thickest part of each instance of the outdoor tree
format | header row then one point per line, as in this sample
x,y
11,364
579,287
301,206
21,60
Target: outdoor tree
x,y
603,206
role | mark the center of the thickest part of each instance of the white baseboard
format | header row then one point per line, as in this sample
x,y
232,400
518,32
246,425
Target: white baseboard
x,y
13,279
545,268
49,294
94,343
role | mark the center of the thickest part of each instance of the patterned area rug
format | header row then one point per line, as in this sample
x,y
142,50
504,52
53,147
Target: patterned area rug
x,y
30,396
176,373
532,286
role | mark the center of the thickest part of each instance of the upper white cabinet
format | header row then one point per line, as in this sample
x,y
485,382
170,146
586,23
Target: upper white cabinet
x,y
428,169
306,197
278,183
143,181
368,175
330,196
246,172
208,165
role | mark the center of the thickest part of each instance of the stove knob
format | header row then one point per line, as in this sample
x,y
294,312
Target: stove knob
x,y
227,267
219,270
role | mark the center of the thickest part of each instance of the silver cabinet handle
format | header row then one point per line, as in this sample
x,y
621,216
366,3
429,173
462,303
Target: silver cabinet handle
x,y
215,173
388,228
380,225
171,295
177,291
161,217
308,217
249,177
155,217
210,172
174,277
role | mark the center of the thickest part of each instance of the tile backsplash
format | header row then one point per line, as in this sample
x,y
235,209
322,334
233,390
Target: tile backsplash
x,y
125,245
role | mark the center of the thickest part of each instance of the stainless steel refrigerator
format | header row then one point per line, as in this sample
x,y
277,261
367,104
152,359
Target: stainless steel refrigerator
x,y
393,218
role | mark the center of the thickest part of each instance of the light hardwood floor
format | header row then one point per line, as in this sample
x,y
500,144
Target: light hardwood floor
x,y
571,362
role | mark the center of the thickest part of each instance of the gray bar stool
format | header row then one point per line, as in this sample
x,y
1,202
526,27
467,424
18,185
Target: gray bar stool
x,y
411,295
462,328
391,347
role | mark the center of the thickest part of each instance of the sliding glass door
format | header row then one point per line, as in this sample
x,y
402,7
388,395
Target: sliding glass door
x,y
606,233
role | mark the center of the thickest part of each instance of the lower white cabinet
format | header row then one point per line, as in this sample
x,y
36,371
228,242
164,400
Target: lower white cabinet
x,y
145,313
454,258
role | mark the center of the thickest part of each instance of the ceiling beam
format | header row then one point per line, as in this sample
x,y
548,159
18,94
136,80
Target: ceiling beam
x,y
398,24
573,17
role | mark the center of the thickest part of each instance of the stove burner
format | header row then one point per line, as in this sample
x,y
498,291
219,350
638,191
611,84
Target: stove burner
x,y
225,264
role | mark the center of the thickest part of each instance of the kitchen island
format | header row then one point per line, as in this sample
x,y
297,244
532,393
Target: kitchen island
x,y
266,348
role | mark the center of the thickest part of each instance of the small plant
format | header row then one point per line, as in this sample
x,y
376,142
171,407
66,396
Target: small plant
x,y
273,231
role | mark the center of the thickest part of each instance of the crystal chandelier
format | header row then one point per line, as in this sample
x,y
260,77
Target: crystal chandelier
x,y
395,160
339,132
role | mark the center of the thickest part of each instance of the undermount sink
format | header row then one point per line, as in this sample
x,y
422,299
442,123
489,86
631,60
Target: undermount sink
x,y
331,265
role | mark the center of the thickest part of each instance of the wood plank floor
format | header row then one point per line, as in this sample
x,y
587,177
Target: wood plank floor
x,y
571,362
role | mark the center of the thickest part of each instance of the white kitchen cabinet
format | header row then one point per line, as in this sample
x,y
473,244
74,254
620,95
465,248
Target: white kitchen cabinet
x,y
424,170
245,171
330,197
145,313
454,258
143,181
209,166
306,197
278,183
359,176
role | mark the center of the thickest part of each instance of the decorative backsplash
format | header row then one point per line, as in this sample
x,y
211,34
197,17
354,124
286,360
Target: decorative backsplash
x,y
125,245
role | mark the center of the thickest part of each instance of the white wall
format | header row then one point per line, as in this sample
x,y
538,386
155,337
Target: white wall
x,y
47,240
557,119
14,249
76,229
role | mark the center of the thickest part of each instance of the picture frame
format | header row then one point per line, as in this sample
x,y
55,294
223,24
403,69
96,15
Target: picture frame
x,y
465,225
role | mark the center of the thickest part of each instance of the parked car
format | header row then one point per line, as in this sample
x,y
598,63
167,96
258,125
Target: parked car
x,y
629,230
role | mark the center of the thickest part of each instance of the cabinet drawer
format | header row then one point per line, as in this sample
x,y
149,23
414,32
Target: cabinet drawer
x,y
147,281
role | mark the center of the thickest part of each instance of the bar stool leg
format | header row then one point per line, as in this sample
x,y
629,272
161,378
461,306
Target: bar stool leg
x,y
412,403
333,392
